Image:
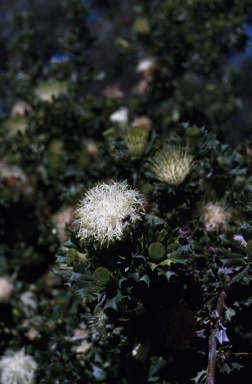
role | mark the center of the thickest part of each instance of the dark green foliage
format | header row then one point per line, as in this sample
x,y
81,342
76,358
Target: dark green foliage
x,y
143,309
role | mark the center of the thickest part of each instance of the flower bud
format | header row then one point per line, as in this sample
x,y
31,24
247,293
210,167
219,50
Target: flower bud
x,y
102,276
135,139
156,252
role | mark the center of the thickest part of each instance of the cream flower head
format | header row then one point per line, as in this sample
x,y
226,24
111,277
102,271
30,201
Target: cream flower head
x,y
17,123
135,139
6,290
17,368
107,213
47,90
171,165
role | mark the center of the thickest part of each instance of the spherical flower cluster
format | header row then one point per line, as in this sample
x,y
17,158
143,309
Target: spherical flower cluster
x,y
50,89
102,276
136,139
156,252
17,368
215,216
6,290
171,165
107,213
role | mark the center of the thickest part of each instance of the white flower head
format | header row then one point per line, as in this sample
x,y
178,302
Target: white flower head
x,y
17,368
6,290
50,89
135,139
107,212
120,116
171,165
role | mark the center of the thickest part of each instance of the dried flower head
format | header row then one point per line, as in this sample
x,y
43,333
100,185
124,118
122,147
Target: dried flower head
x,y
50,89
113,91
142,121
215,216
136,139
6,290
17,368
108,212
20,108
61,219
172,164
92,148
148,68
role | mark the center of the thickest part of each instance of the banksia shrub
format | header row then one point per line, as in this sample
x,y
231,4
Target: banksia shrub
x,y
116,265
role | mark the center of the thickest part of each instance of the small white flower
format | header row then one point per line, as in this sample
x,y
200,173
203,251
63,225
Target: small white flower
x,y
145,64
120,116
107,213
171,165
50,89
136,139
17,368
6,290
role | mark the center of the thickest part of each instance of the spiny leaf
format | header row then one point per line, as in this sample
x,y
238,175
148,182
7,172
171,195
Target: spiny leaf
x,y
240,275
200,378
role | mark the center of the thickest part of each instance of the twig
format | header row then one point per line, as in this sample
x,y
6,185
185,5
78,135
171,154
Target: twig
x,y
213,340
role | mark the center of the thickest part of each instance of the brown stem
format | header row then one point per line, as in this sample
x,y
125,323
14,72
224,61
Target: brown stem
x,y
213,340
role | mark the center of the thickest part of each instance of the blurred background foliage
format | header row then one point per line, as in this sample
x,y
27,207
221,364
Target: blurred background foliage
x,y
65,68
